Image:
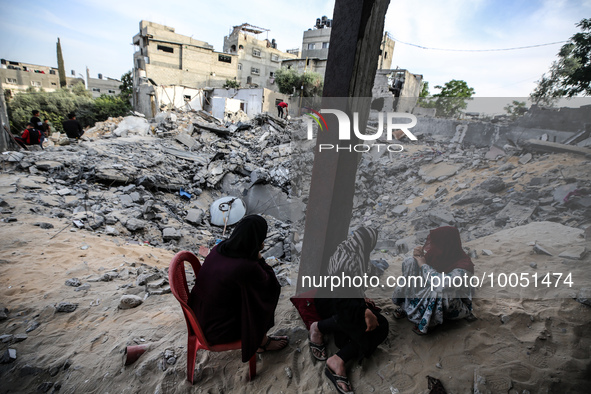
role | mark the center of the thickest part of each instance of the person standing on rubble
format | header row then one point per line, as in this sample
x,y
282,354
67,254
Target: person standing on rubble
x,y
72,127
280,107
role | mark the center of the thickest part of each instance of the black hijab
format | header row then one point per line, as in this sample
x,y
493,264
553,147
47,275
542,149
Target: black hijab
x,y
246,239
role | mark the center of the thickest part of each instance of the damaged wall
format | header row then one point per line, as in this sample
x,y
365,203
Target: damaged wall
x,y
398,89
180,97
168,58
256,101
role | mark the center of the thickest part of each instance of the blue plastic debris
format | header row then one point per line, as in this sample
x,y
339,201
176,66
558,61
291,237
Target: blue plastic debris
x,y
183,193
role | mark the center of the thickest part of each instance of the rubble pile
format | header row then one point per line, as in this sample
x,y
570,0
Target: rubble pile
x,y
153,182
433,184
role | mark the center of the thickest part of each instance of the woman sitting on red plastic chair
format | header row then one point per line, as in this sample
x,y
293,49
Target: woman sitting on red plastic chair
x,y
236,291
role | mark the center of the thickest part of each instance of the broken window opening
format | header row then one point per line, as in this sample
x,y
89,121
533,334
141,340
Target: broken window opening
x,y
271,74
164,48
112,91
225,58
96,90
240,47
233,48
187,97
249,80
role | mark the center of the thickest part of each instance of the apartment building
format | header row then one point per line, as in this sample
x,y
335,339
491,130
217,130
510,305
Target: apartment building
x,y
102,85
258,60
315,47
163,57
18,77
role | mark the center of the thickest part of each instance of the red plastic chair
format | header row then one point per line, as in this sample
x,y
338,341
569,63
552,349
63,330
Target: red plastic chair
x,y
178,286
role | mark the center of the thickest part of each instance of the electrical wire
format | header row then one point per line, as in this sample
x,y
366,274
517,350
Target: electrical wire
x,y
478,50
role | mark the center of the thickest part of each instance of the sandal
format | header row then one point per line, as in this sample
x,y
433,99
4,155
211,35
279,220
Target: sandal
x,y
416,330
336,379
316,349
272,338
399,313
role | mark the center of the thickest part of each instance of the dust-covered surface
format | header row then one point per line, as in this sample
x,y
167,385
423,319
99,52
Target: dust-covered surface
x,y
71,337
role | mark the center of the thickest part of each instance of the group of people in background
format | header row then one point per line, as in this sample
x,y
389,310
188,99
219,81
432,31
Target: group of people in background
x,y
37,131
237,292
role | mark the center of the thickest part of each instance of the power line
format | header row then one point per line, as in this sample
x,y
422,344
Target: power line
x,y
478,50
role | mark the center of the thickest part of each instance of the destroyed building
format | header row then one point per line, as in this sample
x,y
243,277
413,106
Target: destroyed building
x,y
172,71
258,60
315,47
396,90
165,58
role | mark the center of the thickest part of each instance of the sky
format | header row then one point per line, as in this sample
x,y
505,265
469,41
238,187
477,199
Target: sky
x,y
98,33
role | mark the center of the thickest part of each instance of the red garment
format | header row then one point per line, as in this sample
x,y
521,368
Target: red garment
x,y
443,250
235,298
27,137
282,104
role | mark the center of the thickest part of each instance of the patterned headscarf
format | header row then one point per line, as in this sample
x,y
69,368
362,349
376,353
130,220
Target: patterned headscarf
x,y
443,250
352,255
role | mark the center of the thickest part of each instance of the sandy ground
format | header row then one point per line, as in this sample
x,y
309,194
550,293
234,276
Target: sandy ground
x,y
537,340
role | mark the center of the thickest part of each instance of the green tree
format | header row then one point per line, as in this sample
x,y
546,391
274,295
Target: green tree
x,y
126,86
80,90
451,100
60,65
231,84
424,90
516,109
570,75
290,81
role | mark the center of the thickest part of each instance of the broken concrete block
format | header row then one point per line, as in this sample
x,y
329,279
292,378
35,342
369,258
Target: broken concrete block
x,y
441,218
194,216
66,307
8,356
170,233
135,224
584,296
561,192
399,210
540,250
493,184
129,301
525,158
575,253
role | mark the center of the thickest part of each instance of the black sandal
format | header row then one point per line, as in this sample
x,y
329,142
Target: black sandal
x,y
320,348
271,338
399,313
336,379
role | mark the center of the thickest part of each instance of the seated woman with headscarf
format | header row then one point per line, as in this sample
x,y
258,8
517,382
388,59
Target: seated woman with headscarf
x,y
442,258
356,323
236,291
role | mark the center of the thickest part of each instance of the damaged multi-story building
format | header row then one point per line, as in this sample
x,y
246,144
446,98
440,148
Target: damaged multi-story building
x,y
173,70
258,60
315,47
